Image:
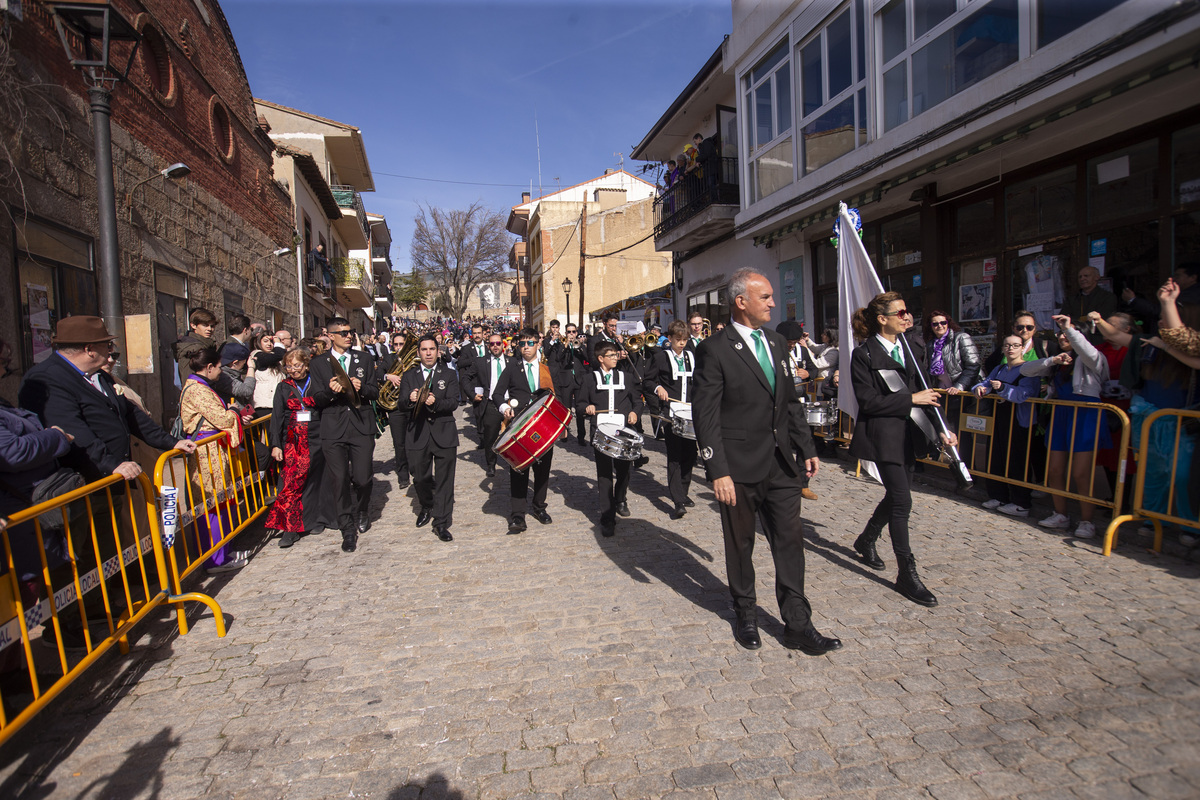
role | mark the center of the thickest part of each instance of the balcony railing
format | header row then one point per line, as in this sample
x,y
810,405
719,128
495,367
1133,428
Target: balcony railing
x,y
347,197
695,192
353,282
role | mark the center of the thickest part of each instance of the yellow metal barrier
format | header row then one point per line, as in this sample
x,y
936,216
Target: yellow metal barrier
x,y
114,575
219,492
1177,501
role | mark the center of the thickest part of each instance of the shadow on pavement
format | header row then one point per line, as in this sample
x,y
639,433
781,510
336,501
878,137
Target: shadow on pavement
x,y
436,787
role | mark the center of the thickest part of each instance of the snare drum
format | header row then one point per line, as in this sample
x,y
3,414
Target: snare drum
x,y
681,421
624,444
821,414
531,434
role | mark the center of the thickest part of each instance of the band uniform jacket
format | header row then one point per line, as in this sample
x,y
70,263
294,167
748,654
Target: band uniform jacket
x,y
102,424
468,362
883,415
513,385
338,419
626,399
659,373
559,359
485,375
434,422
739,421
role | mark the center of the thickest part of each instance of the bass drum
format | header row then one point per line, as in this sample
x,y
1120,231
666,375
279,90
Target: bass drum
x,y
533,432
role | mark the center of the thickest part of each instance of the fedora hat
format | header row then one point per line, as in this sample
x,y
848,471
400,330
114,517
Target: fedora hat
x,y
81,330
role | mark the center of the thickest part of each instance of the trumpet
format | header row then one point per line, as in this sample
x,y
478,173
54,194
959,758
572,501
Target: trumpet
x,y
635,343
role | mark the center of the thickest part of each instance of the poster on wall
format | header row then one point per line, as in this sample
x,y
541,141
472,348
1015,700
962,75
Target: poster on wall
x,y
489,295
975,302
38,298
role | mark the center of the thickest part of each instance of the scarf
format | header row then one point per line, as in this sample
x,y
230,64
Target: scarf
x,y
937,366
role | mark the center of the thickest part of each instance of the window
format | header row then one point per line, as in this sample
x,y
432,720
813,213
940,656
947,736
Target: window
x,y
1123,183
768,97
833,98
56,279
975,226
1185,165
221,129
1041,206
156,59
1057,18
954,45
901,241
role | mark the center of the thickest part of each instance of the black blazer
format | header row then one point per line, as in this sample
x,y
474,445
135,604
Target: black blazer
x,y
102,424
626,399
740,422
659,373
435,422
484,375
338,418
468,369
883,415
512,381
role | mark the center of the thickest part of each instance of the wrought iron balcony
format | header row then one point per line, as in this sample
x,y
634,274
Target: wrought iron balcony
x,y
691,195
347,197
353,283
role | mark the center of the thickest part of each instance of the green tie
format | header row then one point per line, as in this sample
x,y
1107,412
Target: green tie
x,y
529,376
679,360
344,361
607,378
896,355
496,370
764,359
479,349
427,373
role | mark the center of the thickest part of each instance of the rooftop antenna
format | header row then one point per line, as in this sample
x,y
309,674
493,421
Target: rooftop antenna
x,y
538,139
620,160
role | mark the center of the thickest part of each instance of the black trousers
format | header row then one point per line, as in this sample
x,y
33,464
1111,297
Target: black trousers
x,y
348,475
777,500
518,489
896,506
489,432
681,458
1008,459
433,474
612,492
397,422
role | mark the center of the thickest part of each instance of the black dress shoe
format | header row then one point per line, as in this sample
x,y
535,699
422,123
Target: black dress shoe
x,y
641,462
810,641
541,515
424,516
623,509
745,633
678,512
608,528
403,483
517,525
582,441
443,534
688,502
491,472
349,541
364,523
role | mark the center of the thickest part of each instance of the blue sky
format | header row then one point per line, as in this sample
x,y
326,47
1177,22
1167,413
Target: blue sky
x,y
450,90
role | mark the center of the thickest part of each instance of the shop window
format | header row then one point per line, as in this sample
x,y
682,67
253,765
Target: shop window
x,y
56,279
1185,165
1123,183
1057,18
901,242
1127,257
1041,206
833,94
1186,238
975,226
948,52
768,104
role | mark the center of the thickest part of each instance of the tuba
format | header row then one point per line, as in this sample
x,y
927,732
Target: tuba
x,y
389,395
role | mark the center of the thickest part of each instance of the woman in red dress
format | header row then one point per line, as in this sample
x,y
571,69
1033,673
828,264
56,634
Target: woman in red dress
x,y
295,437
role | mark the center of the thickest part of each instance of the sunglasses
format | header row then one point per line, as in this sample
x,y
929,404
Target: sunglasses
x,y
345,332
902,312
941,324
495,344
1024,327
528,343
114,355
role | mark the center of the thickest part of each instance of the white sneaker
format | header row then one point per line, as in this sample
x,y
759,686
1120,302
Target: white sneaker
x,y
990,504
1188,539
1056,521
229,566
1085,530
1014,510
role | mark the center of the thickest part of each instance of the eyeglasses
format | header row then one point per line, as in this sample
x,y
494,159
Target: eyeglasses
x,y
902,312
113,355
495,344
528,343
343,332
295,367
1017,346
1024,327
942,324
608,355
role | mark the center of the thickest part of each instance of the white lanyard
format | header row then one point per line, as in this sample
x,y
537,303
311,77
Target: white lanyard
x,y
618,382
686,373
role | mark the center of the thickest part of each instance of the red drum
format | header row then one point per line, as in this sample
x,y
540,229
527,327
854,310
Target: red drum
x,y
533,432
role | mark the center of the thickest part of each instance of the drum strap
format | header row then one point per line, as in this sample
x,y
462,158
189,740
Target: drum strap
x,y
618,379
686,373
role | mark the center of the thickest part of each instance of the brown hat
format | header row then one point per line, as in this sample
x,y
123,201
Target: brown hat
x,y
81,330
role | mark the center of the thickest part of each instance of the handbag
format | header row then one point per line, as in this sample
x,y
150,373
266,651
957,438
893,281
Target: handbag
x,y
61,481
177,430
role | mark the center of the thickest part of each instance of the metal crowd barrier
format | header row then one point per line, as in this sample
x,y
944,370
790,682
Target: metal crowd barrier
x,y
1181,507
113,576
210,519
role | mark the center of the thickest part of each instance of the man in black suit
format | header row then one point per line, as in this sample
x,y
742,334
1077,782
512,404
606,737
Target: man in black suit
x,y
574,354
521,380
71,391
431,435
488,374
397,419
749,423
468,371
347,428
608,333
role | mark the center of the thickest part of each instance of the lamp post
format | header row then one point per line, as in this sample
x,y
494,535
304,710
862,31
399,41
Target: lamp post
x,y
566,287
174,172
87,31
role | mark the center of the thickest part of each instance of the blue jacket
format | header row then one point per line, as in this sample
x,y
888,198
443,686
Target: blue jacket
x,y
1015,388
28,455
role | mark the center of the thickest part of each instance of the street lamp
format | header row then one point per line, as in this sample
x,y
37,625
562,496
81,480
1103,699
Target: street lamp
x,y
174,172
566,286
88,30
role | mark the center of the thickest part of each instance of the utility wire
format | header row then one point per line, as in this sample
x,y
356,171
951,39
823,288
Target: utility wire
x,y
444,180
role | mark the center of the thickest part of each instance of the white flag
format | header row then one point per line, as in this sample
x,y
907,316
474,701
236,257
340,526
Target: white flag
x,y
858,284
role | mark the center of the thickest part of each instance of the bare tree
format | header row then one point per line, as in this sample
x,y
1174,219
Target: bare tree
x,y
459,249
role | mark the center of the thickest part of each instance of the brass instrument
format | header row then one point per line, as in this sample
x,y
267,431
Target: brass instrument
x,y
389,394
341,377
636,342
423,394
705,327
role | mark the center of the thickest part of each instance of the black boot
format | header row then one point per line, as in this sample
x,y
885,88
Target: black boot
x,y
864,545
908,583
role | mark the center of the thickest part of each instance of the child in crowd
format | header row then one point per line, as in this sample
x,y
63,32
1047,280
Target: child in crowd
x,y
610,396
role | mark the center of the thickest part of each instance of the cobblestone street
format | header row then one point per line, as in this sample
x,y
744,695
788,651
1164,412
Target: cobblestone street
x,y
558,663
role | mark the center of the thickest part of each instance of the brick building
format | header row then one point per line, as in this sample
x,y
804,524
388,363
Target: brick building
x,y
206,241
